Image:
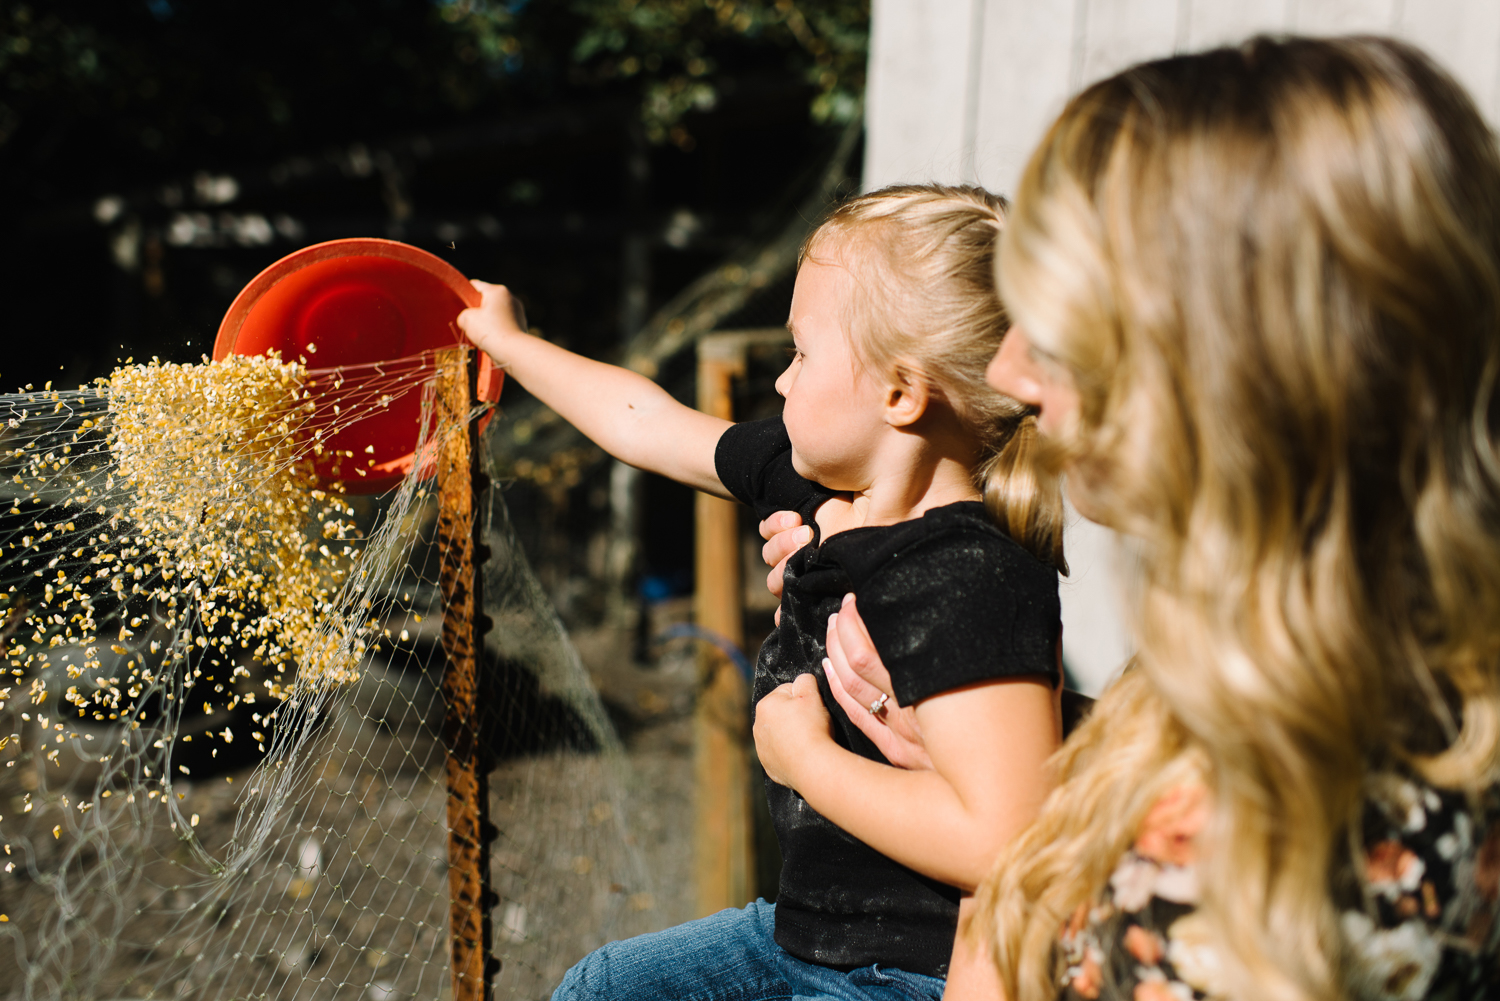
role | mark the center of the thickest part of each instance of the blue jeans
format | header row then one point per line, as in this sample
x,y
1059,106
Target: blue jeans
x,y
729,956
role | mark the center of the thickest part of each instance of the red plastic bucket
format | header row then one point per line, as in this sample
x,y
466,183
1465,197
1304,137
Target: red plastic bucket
x,y
359,312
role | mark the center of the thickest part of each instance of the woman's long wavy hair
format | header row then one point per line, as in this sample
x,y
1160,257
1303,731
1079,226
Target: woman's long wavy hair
x,y
926,300
1274,273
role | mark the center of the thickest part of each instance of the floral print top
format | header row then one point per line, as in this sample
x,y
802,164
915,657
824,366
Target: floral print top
x,y
1419,925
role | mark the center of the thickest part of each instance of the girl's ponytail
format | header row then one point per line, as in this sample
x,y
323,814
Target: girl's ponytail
x,y
1023,501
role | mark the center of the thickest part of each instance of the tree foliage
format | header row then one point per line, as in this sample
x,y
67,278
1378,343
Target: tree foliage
x,y
153,78
679,54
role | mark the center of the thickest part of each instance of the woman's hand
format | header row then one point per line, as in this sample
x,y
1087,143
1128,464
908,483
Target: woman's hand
x,y
498,317
787,721
859,680
855,673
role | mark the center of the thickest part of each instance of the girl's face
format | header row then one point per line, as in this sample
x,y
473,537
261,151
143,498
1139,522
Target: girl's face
x,y
833,408
1019,371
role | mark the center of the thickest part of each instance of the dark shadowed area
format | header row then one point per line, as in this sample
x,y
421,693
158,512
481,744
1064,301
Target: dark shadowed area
x,y
640,172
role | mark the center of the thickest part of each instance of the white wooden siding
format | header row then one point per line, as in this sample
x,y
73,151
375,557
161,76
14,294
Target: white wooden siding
x,y
961,90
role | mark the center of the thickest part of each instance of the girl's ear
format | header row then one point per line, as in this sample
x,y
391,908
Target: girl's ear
x,y
906,396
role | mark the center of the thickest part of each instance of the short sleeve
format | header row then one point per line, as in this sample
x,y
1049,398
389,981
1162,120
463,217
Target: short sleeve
x,y
754,462
959,608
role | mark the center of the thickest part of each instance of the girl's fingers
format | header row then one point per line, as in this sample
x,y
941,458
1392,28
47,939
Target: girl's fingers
x,y
785,534
471,322
778,523
775,582
784,543
805,686
495,304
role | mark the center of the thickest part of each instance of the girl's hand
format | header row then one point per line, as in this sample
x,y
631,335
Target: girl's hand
x,y
858,679
498,317
784,534
787,721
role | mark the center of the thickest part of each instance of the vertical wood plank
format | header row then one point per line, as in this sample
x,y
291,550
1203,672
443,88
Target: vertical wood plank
x,y
724,861
1031,52
915,100
1026,51
1463,35
1342,17
467,803
1034,54
1119,33
1213,22
973,74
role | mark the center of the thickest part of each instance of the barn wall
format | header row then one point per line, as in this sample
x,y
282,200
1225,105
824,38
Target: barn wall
x,y
961,90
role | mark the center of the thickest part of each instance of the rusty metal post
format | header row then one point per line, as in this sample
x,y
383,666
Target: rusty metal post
x,y
723,836
458,481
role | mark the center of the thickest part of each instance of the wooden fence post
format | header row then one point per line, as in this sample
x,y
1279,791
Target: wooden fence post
x,y
725,856
724,825
458,481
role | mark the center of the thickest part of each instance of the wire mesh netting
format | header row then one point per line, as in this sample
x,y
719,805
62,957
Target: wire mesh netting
x,y
224,733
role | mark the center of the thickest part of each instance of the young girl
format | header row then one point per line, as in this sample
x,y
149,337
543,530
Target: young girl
x,y
1257,294
941,530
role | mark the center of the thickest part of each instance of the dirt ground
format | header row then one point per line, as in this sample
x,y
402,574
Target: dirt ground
x,y
347,896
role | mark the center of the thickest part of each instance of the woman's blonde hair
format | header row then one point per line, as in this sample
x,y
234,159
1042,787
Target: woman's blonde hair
x,y
1274,273
926,303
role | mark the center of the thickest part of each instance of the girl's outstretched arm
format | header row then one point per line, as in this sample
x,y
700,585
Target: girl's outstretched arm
x,y
989,743
623,412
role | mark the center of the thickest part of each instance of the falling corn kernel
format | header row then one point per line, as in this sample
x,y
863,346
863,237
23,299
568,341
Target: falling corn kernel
x,y
194,496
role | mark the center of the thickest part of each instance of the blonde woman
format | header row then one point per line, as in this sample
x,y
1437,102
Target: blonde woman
x,y
1257,304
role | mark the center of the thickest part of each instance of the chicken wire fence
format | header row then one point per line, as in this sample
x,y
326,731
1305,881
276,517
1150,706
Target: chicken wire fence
x,y
224,730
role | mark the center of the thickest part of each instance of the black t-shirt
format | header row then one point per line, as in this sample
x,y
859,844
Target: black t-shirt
x,y
949,599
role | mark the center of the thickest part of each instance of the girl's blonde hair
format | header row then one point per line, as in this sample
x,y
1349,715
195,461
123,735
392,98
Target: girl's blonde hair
x,y
1274,273
926,303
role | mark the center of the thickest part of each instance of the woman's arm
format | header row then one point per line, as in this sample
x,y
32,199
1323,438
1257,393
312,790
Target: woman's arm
x,y
857,676
626,414
971,972
859,680
989,743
